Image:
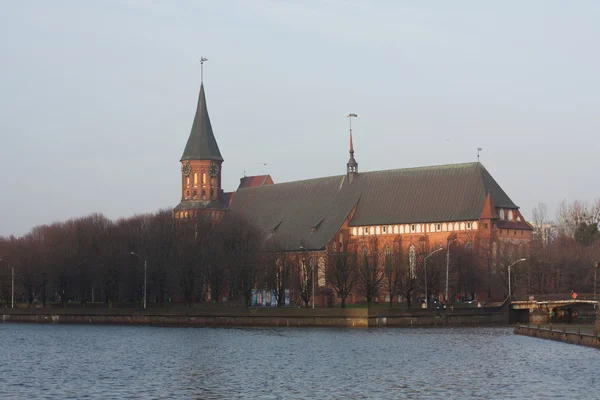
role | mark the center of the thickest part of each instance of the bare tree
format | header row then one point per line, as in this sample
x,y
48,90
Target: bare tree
x,y
280,266
370,275
341,273
393,267
409,282
307,266
242,244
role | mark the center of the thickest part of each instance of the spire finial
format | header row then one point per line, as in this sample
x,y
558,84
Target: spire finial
x,y
478,150
202,60
350,116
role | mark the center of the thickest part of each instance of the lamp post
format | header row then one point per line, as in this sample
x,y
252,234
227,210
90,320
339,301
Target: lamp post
x,y
145,273
12,291
596,267
425,268
509,287
448,266
313,275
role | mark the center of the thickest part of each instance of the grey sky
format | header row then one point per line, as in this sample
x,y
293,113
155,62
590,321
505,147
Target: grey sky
x,y
97,98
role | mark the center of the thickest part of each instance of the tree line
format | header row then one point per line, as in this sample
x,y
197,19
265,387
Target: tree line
x,y
94,259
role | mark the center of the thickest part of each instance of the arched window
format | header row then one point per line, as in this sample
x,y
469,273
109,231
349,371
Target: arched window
x,y
388,260
468,247
195,178
321,274
412,261
354,231
365,252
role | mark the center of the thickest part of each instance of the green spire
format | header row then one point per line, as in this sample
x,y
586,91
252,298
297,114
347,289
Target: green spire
x,y
201,144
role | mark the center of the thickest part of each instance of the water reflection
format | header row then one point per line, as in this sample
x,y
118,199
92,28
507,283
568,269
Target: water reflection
x,y
59,361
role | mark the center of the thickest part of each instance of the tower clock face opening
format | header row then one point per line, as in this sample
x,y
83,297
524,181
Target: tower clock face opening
x,y
213,169
186,168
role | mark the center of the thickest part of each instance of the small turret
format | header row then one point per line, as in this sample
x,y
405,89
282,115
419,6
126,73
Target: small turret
x,y
352,165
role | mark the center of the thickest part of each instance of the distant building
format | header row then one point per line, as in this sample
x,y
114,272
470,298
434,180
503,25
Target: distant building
x,y
410,211
546,232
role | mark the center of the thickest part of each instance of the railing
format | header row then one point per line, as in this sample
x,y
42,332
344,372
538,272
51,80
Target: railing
x,y
557,297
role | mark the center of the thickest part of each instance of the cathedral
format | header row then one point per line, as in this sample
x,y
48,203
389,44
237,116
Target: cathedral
x,y
411,211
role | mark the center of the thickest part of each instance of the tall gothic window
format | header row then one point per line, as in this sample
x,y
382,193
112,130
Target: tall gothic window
x,y
321,274
412,261
468,247
388,260
494,256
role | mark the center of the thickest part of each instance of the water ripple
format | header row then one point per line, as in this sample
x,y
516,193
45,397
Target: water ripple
x,y
101,362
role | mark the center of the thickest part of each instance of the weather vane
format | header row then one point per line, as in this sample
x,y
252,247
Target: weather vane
x,y
350,116
202,59
478,150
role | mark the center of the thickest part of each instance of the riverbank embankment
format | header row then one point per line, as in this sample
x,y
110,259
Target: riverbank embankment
x,y
262,317
584,336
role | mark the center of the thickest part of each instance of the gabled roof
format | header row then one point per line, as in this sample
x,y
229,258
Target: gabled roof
x,y
302,213
454,192
258,180
201,144
488,211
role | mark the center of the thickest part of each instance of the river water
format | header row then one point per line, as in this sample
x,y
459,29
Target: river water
x,y
111,362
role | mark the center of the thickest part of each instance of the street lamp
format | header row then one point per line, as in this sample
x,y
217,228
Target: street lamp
x,y
145,268
509,267
596,267
448,266
313,275
12,292
425,268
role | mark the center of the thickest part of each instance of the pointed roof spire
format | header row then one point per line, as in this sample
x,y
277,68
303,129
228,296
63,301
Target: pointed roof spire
x,y
352,165
489,211
201,144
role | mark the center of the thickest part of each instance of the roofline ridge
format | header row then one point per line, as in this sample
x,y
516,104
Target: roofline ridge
x,y
465,164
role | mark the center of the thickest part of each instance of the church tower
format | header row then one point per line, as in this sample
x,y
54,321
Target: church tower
x,y
200,167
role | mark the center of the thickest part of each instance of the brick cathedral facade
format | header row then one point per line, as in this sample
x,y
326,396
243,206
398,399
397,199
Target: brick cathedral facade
x,y
409,212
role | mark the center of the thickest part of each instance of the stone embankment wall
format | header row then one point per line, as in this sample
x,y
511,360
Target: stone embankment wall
x,y
559,335
260,317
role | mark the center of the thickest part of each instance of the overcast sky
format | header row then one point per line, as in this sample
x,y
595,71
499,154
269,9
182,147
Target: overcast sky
x,y
97,98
